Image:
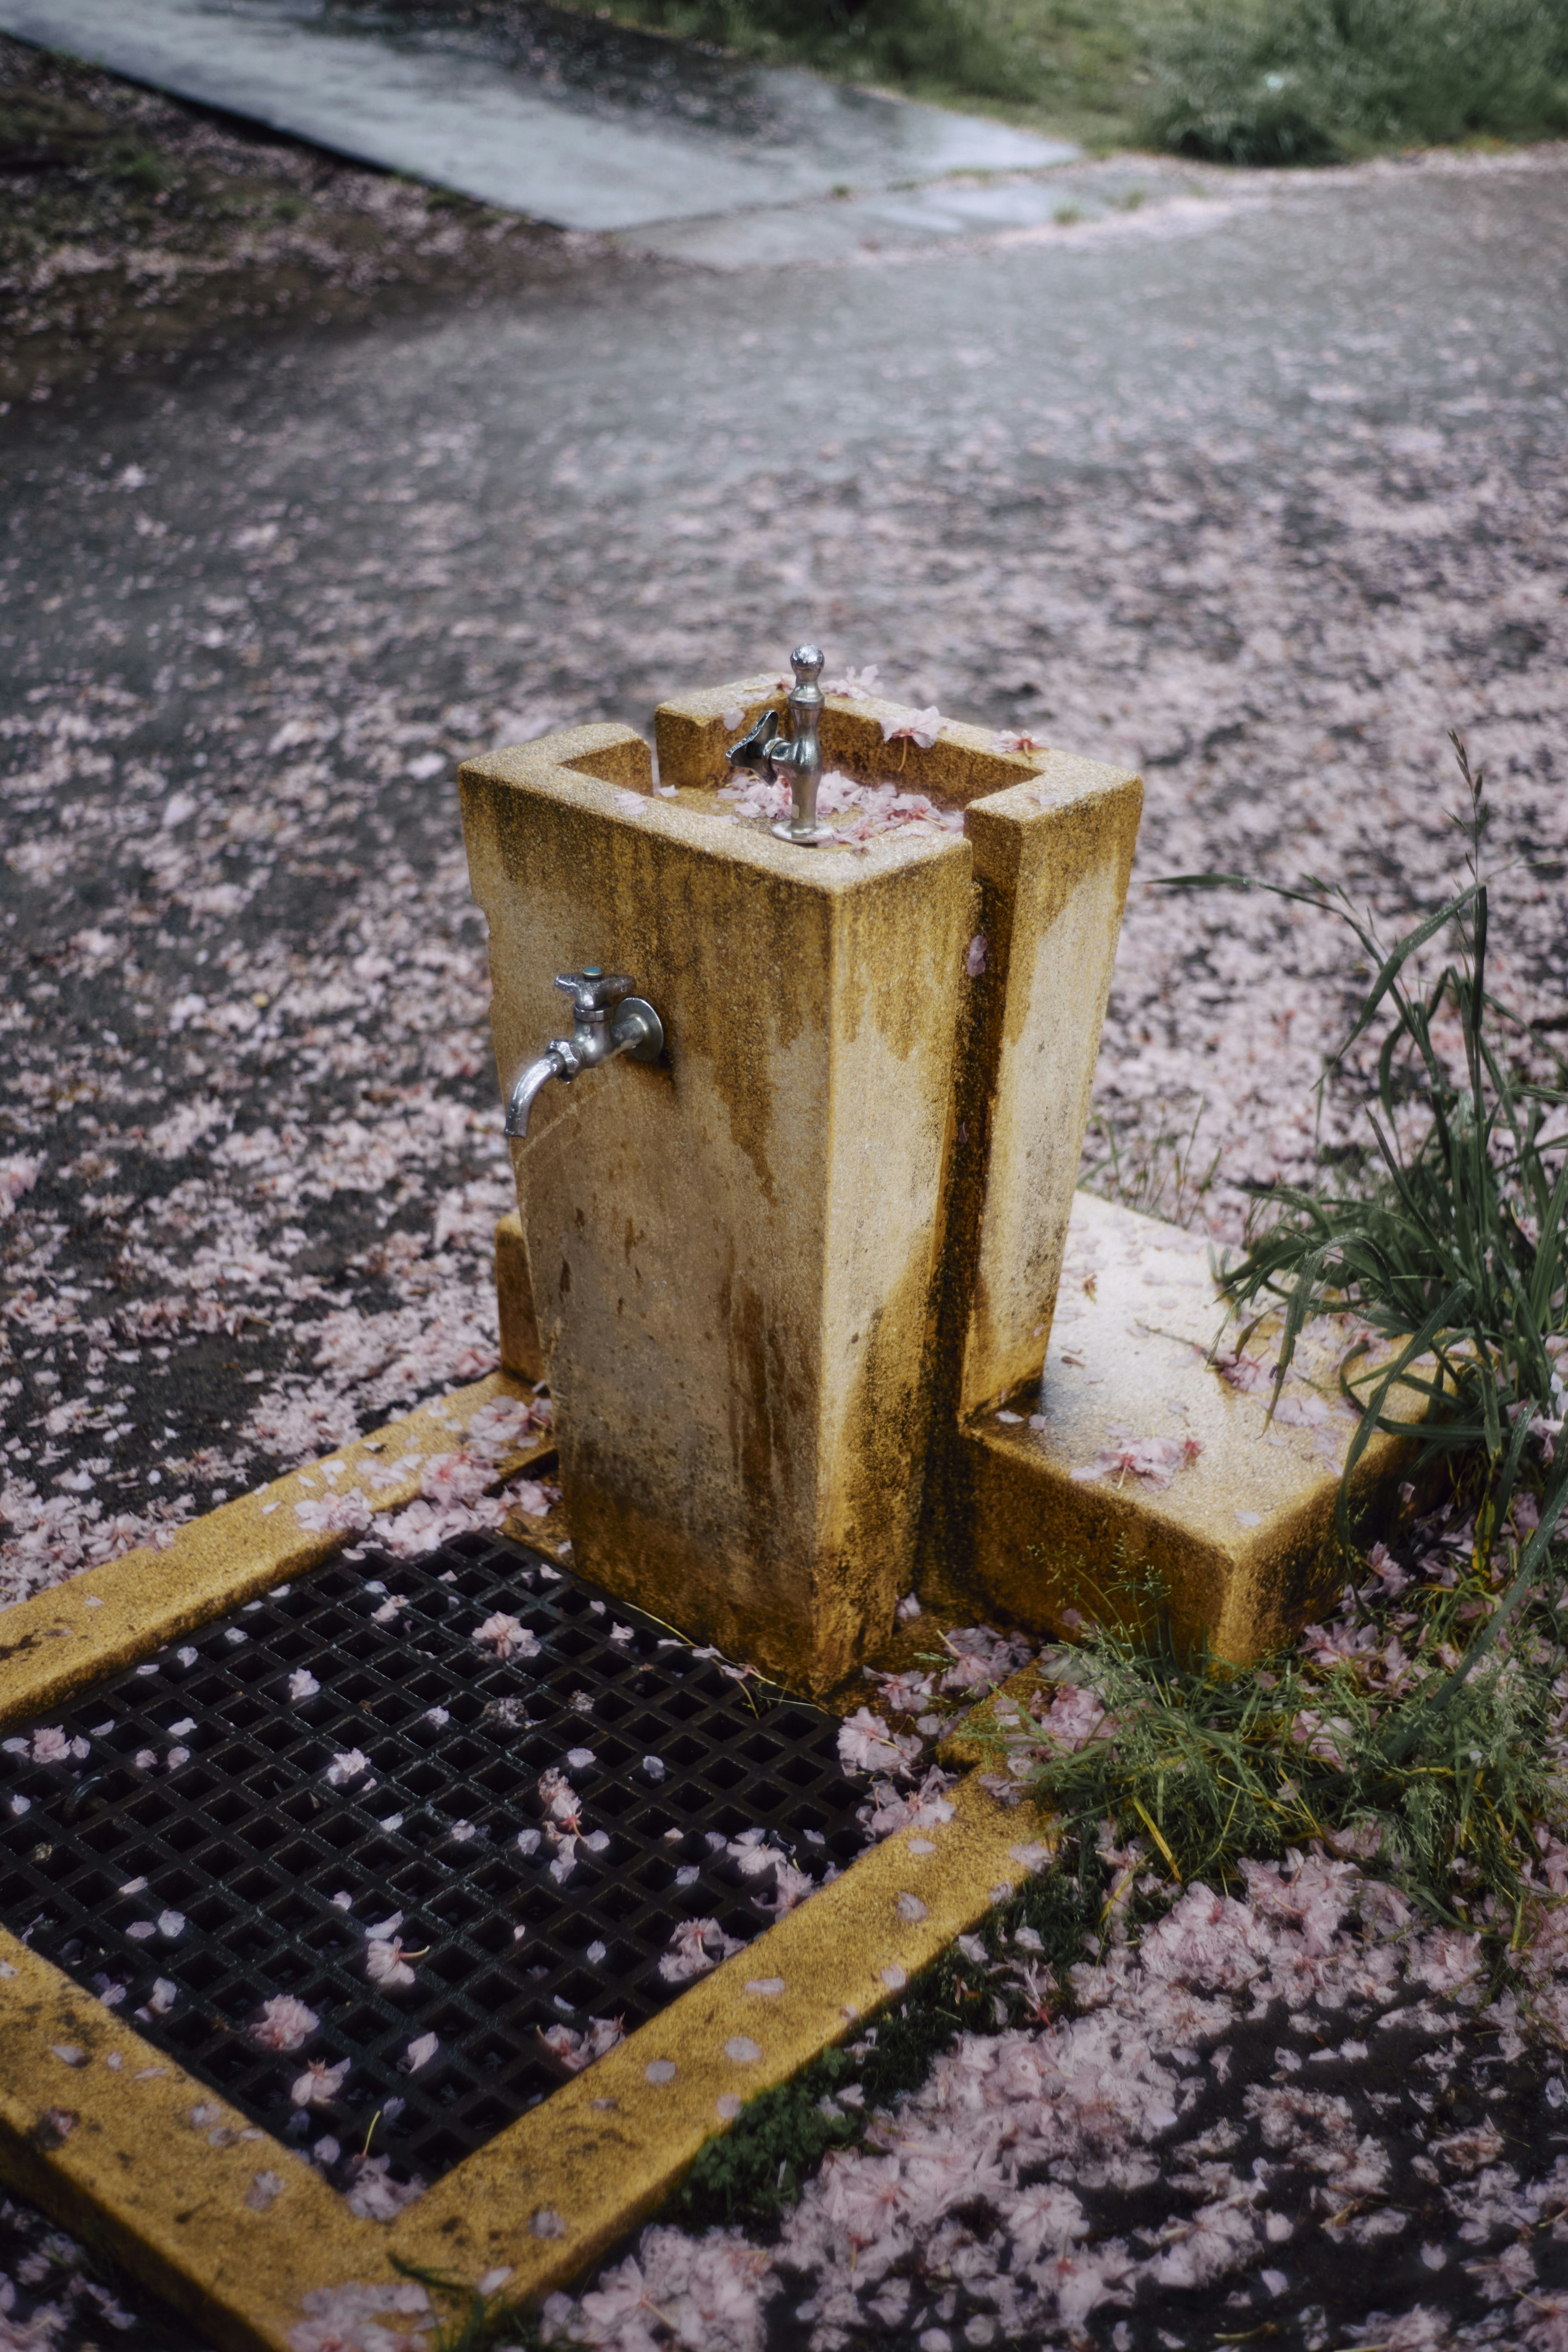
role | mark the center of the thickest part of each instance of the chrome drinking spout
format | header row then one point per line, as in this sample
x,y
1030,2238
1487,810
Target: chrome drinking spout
x,y
763,752
608,1020
520,1100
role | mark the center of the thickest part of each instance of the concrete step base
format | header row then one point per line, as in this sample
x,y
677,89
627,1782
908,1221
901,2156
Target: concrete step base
x,y
1141,1467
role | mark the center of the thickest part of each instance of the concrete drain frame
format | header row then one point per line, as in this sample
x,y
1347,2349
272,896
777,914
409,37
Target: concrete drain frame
x,y
101,2126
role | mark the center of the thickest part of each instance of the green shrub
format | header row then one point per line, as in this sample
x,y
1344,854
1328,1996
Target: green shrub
x,y
1305,82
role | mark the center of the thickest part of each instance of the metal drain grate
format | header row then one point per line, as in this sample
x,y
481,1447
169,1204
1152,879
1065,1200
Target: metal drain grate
x,y
203,1779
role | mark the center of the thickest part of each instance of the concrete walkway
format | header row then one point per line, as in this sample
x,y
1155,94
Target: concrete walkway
x,y
442,106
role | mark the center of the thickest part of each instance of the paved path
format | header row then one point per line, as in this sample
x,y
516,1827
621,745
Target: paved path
x,y
443,107
1260,490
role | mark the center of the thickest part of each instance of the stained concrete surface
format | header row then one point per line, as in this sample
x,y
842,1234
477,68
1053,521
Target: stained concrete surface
x,y
442,105
1257,498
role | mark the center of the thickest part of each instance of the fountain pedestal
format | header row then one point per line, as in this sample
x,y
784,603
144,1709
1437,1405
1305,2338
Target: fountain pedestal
x,y
762,1271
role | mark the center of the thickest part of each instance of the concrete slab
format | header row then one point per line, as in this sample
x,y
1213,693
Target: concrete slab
x,y
443,106
1139,1457
963,207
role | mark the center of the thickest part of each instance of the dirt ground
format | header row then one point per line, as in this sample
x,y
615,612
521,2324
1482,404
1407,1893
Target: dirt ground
x,y
136,230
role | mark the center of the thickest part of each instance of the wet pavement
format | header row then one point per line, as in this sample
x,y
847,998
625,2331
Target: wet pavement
x,y
1259,487
583,125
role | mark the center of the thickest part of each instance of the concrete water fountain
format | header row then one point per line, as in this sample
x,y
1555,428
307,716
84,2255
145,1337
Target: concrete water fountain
x,y
794,1278
834,1208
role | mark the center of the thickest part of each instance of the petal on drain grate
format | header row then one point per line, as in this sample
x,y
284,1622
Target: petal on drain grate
x,y
475,1841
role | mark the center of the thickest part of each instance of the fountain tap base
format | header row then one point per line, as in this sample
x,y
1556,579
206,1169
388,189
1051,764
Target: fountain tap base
x,y
1138,1467
767,1266
1037,1510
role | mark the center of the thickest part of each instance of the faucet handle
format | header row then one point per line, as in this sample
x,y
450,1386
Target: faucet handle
x,y
750,752
594,990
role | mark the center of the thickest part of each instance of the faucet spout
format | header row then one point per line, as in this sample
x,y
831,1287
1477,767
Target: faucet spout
x,y
609,1021
796,757
537,1076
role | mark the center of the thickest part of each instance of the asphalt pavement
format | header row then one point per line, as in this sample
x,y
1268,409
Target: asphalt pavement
x,y
1255,482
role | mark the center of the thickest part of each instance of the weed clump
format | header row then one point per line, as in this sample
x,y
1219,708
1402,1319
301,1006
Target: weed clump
x,y
1425,1727
1454,1254
1215,1765
469,2318
1162,1175
1311,81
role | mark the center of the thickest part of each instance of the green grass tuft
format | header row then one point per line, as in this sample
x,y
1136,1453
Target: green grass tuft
x,y
472,2322
1163,1175
1455,1250
1424,1744
750,2172
1216,1763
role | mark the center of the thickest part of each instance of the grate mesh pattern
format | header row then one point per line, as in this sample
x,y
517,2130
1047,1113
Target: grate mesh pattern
x,y
244,1839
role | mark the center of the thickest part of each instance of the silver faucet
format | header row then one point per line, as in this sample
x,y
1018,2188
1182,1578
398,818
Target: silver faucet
x,y
608,1020
798,755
